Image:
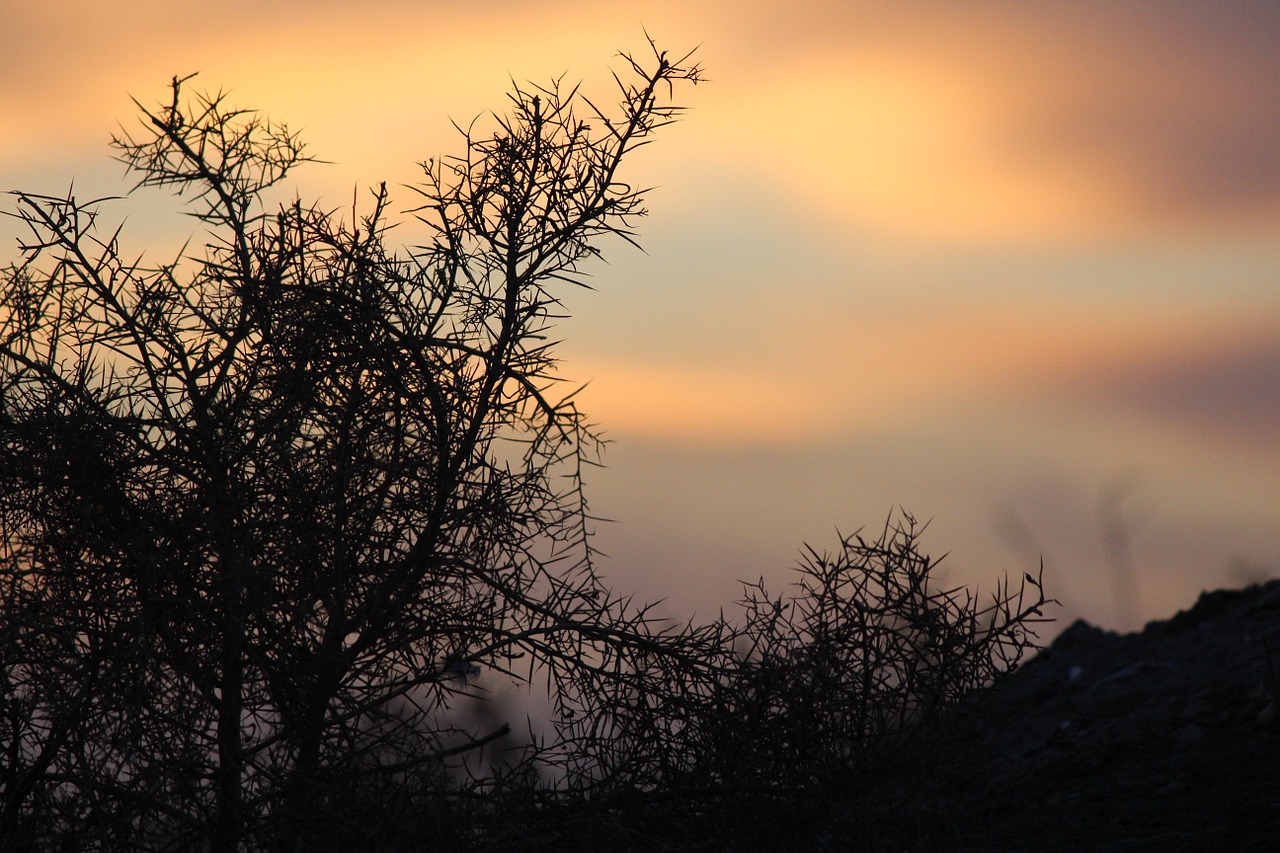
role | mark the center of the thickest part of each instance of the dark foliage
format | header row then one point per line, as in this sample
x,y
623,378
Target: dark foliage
x,y
270,508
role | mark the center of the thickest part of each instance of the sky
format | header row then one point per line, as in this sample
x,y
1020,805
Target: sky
x,y
1012,268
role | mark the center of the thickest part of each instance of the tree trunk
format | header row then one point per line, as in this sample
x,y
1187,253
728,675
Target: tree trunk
x,y
230,798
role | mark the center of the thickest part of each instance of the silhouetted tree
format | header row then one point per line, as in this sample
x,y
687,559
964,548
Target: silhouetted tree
x,y
264,505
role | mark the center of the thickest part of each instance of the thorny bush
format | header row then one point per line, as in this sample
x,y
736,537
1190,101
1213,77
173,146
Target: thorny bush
x,y
268,511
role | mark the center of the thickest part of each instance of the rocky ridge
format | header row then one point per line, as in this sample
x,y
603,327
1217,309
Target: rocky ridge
x,y
1165,739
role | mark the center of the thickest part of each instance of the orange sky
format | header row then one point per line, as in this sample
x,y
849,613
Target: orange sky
x,y
981,260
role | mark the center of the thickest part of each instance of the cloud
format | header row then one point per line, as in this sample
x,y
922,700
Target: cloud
x,y
700,405
1228,387
1044,123
1177,104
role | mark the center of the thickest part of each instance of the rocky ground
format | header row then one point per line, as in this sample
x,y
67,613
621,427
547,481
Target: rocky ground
x,y
1167,739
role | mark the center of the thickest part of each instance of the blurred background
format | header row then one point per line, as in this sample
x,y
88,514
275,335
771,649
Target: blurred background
x,y
1014,268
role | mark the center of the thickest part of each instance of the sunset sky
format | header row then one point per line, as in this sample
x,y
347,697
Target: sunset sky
x,y
1014,267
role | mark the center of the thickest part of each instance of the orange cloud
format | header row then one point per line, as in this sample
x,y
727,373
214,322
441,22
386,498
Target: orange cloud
x,y
1044,125
699,404
974,122
829,376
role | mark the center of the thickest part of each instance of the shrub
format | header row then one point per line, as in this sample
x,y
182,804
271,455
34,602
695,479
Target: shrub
x,y
807,698
866,649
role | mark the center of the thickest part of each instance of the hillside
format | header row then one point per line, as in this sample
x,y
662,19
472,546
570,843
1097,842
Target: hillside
x,y
1165,739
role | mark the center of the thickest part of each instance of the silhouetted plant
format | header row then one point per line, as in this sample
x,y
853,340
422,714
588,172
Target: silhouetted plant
x,y
258,503
868,647
808,694
268,509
